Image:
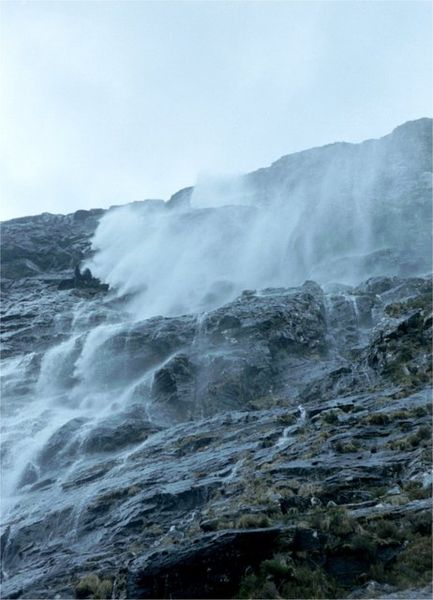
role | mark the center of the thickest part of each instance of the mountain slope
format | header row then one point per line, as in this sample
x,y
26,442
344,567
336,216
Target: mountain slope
x,y
212,441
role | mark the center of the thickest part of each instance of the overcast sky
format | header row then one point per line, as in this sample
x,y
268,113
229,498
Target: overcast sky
x,y
109,102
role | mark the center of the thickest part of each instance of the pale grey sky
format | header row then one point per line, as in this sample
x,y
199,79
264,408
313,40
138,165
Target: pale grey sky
x,y
109,102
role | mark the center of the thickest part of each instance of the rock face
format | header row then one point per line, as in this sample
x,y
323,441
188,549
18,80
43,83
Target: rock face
x,y
277,446
46,243
35,245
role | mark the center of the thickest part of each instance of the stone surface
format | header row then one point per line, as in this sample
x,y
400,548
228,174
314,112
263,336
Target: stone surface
x,y
277,446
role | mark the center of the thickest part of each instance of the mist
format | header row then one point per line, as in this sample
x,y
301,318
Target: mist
x,y
328,214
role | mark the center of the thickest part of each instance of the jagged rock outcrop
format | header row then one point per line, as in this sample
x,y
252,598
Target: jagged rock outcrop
x,y
47,243
36,245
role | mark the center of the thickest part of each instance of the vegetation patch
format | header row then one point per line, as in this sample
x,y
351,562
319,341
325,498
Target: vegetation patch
x,y
91,586
397,309
331,417
345,447
282,577
252,521
395,552
377,419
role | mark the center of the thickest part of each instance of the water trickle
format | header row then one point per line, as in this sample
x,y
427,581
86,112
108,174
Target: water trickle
x,y
302,413
285,438
355,309
57,367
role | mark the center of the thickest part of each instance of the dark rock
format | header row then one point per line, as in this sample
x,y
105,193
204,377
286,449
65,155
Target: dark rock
x,y
63,446
346,568
83,280
181,199
119,431
29,476
308,540
210,568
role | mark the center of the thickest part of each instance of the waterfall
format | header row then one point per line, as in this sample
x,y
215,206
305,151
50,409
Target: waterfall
x,y
309,216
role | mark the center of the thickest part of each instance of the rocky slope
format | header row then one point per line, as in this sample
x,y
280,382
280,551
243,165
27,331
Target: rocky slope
x,y
277,446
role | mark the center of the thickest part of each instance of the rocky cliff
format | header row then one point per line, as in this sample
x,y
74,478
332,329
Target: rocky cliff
x,y
275,443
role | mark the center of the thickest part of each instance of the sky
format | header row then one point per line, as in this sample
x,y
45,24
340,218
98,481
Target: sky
x,y
106,103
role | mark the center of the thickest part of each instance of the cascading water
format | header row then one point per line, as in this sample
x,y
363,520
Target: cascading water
x,y
67,387
329,214
194,260
242,234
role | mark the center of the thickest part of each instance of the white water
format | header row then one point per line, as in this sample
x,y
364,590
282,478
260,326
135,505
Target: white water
x,y
173,262
284,440
168,262
62,391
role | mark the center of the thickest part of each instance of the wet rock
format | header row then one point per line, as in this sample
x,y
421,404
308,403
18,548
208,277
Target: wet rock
x,y
119,431
49,242
29,476
284,436
134,350
372,589
210,568
62,447
173,388
287,322
84,281
401,349
410,594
